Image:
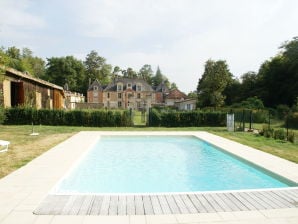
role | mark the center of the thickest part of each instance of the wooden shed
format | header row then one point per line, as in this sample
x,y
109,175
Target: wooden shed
x,y
22,89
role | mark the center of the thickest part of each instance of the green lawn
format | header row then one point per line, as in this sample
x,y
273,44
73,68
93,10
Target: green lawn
x,y
24,147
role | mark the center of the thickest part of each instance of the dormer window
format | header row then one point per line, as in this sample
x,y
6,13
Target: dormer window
x,y
129,85
139,87
119,87
95,88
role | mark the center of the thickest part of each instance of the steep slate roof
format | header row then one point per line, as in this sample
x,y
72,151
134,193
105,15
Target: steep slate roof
x,y
162,86
113,85
176,94
95,83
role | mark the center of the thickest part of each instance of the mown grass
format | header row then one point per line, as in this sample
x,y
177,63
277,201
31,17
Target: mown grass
x,y
24,147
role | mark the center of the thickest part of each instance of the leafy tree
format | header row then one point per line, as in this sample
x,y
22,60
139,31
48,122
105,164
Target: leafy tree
x,y
146,73
250,103
213,82
23,60
34,65
67,70
116,72
173,86
130,73
278,77
4,58
274,82
14,55
192,94
249,85
233,92
97,68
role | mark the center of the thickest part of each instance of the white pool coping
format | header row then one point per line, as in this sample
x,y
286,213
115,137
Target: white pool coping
x,y
24,189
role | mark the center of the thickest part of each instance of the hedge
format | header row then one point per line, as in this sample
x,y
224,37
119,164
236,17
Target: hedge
x,y
186,119
90,118
292,120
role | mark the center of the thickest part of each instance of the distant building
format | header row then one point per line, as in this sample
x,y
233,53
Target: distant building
x,y
72,99
20,88
161,91
135,93
122,93
188,104
174,96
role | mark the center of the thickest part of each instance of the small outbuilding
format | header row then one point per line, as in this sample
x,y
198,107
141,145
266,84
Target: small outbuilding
x,y
22,89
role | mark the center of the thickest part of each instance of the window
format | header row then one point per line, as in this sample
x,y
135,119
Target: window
x,y
119,104
95,88
188,106
119,87
139,104
128,85
108,95
139,87
139,96
119,95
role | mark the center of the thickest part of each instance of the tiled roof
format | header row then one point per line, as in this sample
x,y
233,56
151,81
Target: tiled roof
x,y
176,94
29,77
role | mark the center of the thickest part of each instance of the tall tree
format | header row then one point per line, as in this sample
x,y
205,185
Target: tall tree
x,y
67,70
158,78
212,83
130,73
173,86
97,68
146,73
233,92
116,72
23,60
14,55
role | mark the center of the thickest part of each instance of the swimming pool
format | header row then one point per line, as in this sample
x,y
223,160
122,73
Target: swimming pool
x,y
155,164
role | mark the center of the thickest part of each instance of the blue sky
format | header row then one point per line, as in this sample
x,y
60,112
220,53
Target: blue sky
x,y
178,35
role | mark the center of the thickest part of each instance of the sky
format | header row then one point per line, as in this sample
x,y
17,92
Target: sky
x,y
179,36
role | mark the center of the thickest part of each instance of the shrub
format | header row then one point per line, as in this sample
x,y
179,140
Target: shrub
x,y
282,110
260,116
280,134
2,111
267,132
291,136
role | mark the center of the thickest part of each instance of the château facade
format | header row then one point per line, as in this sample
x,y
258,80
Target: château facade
x,y
136,94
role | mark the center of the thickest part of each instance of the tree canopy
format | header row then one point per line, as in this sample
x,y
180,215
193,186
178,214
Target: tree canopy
x,y
212,84
275,83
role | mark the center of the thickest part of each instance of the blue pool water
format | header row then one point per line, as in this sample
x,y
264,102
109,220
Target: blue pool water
x,y
138,164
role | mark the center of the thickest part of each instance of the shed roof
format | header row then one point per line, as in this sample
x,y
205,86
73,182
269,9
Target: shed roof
x,y
24,75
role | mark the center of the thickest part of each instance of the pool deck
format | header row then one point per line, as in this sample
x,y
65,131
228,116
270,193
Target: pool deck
x,y
27,189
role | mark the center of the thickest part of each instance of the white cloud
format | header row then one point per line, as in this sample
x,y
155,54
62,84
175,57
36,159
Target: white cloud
x,y
13,14
16,21
178,35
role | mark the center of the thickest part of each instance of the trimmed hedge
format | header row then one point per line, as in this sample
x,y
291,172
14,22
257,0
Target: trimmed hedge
x,y
89,118
186,119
